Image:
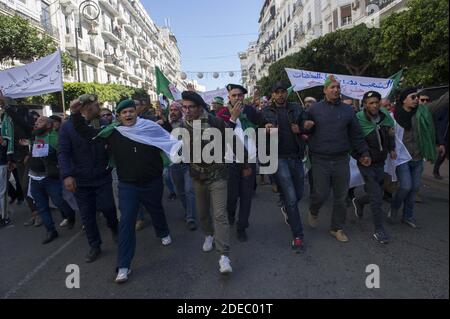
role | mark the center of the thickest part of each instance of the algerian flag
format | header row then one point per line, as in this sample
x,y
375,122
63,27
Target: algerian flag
x,y
397,77
148,133
175,92
162,84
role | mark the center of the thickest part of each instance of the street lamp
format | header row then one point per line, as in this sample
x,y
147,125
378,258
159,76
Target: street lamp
x,y
84,5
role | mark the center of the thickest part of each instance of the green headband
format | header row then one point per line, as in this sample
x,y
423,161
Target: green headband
x,y
330,79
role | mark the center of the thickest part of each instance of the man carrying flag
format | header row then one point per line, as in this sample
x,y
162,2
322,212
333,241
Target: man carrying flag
x,y
379,133
135,146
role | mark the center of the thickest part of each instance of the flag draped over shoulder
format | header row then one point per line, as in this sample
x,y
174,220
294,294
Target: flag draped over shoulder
x,y
368,126
146,132
162,84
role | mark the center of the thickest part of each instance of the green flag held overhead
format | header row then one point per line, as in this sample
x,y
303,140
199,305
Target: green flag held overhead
x,y
162,84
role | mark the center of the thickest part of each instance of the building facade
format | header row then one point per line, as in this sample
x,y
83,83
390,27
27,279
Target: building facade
x,y
287,26
118,42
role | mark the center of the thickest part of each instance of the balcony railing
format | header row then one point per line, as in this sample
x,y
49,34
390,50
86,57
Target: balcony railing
x,y
111,6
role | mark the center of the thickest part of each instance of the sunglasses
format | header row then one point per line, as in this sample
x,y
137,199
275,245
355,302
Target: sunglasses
x,y
424,100
106,114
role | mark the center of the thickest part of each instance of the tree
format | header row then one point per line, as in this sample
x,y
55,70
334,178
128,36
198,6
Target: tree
x,y
21,41
417,39
349,51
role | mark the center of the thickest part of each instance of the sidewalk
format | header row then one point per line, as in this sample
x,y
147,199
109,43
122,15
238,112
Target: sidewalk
x,y
429,179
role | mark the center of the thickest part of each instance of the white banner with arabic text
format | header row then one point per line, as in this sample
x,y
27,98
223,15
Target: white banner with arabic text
x,y
36,78
351,86
210,95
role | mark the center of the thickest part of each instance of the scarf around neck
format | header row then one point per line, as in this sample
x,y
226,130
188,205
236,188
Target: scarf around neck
x,y
403,118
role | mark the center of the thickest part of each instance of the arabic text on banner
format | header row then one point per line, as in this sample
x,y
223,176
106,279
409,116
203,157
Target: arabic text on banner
x,y
36,78
351,86
210,95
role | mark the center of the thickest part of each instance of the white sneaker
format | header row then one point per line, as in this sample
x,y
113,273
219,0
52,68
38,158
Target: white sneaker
x,y
208,244
64,223
122,275
225,266
166,241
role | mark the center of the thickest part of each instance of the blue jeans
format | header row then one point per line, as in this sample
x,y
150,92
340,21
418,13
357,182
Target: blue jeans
x,y
50,188
93,199
290,178
168,180
184,189
409,176
130,197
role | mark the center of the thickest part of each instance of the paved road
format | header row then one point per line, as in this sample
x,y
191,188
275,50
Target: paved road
x,y
414,265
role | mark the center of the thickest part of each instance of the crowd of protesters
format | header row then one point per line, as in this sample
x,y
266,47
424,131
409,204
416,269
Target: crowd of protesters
x,y
117,163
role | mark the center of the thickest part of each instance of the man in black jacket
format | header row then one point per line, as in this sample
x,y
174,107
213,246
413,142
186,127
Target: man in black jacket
x,y
378,129
334,130
287,118
85,172
239,186
139,168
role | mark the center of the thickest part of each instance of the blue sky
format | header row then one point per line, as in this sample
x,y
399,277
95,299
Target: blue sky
x,y
196,22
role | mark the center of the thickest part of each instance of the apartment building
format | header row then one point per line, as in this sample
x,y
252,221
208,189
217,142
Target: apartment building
x,y
118,42
286,26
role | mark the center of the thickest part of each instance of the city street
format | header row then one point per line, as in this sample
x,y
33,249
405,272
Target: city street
x,y
414,265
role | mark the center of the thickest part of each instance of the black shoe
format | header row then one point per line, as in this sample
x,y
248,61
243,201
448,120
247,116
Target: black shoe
x,y
358,208
70,223
410,222
93,254
381,236
437,175
191,225
172,197
242,235
5,222
50,237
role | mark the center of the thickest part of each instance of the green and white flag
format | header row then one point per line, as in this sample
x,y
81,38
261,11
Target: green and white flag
x,y
162,84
